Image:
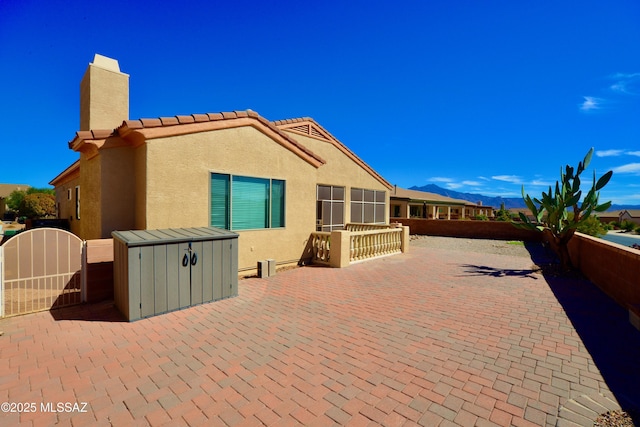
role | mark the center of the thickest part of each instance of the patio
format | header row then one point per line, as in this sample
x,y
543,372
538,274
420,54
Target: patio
x,y
430,337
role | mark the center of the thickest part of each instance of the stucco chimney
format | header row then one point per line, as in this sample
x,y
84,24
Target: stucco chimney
x,y
104,95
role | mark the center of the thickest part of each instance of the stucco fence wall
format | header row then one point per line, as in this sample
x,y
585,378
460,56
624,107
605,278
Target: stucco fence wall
x,y
614,268
469,229
99,270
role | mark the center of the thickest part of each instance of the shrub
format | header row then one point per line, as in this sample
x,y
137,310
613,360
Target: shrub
x,y
592,226
38,205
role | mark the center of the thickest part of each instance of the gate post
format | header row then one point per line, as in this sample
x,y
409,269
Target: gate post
x,y
83,273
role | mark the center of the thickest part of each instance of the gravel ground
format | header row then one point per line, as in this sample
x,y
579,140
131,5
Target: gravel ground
x,y
486,246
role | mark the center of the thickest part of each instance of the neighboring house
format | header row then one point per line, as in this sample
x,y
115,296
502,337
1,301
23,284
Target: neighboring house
x,y
272,182
632,215
607,217
67,186
5,192
421,204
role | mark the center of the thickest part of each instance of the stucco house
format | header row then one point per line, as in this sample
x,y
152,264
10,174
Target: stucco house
x,y
406,203
273,182
5,192
632,215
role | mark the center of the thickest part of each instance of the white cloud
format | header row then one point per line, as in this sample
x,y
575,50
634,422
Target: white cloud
x,y
541,183
634,153
453,185
508,178
484,178
440,179
609,153
474,183
628,168
590,103
626,83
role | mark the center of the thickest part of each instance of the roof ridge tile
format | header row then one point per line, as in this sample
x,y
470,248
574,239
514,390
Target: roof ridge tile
x,y
151,123
166,121
198,118
185,119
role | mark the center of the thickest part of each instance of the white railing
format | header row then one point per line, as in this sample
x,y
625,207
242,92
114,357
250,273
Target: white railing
x,y
375,243
320,243
366,227
343,247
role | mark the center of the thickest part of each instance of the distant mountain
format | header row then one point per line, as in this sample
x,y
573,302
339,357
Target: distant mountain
x,y
494,202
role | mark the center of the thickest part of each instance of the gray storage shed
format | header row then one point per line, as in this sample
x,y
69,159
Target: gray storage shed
x,y
156,271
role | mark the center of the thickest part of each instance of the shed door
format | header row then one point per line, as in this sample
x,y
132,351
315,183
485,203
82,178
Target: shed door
x,y
184,275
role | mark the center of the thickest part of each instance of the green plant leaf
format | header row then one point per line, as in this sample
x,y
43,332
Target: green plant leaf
x,y
603,207
575,199
587,158
604,179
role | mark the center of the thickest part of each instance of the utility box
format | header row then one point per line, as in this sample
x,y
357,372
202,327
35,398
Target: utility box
x,y
157,271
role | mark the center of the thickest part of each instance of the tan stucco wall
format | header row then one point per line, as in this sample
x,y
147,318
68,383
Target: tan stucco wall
x,y
178,182
165,183
104,98
118,189
140,166
342,171
90,197
67,205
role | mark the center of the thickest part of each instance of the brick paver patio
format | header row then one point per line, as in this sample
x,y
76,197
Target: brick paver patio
x,y
432,337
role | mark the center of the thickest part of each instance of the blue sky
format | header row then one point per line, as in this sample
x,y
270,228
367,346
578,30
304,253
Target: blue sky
x,y
473,96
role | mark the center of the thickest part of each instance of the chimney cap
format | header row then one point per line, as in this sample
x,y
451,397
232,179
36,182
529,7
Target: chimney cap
x,y
106,63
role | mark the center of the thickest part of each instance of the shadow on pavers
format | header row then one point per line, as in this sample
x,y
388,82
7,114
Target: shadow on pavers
x,y
603,326
104,311
483,270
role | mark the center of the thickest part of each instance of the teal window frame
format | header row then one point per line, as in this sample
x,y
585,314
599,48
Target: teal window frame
x,y
240,202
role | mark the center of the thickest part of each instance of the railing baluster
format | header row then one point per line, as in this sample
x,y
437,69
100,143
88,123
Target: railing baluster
x,y
366,241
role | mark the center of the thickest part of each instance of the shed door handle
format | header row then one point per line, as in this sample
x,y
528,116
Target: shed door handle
x,y
185,260
194,258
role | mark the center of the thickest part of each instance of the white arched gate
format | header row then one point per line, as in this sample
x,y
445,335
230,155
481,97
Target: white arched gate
x,y
40,269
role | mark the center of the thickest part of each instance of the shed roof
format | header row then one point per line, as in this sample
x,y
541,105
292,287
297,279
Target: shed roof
x,y
133,238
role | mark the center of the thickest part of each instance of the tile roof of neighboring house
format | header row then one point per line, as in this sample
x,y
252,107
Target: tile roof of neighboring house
x,y
403,193
634,213
7,189
609,214
309,127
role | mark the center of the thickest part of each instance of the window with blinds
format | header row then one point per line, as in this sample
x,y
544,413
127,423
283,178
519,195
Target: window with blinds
x,y
246,203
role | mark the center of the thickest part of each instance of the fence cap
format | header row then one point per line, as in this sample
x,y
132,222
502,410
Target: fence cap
x,y
133,238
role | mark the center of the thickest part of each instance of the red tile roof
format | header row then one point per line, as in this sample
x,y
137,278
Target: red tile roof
x,y
277,128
